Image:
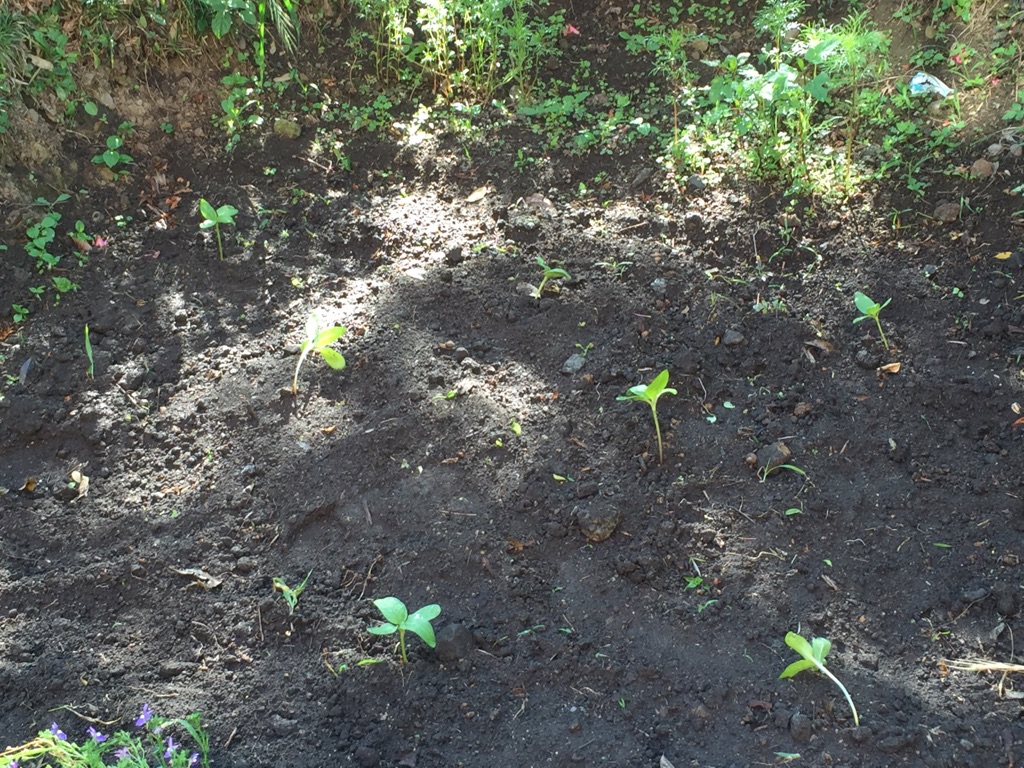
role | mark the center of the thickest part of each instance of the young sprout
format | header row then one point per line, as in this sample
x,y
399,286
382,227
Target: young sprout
x,y
88,353
649,393
398,619
291,595
320,342
870,309
813,657
214,217
549,274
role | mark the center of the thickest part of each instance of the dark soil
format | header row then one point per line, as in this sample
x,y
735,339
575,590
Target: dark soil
x,y
599,607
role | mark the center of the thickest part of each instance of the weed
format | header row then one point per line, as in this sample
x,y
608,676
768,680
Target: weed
x,y
870,309
813,657
550,273
63,285
88,353
319,341
214,217
19,312
398,619
153,737
768,470
649,393
43,232
290,594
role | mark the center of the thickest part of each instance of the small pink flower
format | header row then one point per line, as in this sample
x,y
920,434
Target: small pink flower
x,y
569,30
100,242
957,59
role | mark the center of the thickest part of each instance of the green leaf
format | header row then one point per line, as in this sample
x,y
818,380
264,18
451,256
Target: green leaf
x,y
312,328
221,24
226,213
383,629
393,609
820,646
208,211
333,358
90,108
420,626
796,668
865,304
329,336
429,612
114,142
819,87
799,644
111,158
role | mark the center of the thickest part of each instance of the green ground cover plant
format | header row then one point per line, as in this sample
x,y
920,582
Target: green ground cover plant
x,y
398,619
650,393
319,341
813,656
871,309
290,595
154,742
549,273
214,217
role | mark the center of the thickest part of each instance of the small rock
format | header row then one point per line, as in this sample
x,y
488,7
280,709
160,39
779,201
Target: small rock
x,y
733,338
455,256
282,726
172,668
867,360
800,728
585,489
982,168
574,364
454,642
802,409
774,455
598,524
659,286
366,757
287,129
947,212
693,221
696,182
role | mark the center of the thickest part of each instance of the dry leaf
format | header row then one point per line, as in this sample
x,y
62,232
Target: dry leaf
x,y
891,368
1003,255
329,430
1018,422
479,194
30,484
81,482
202,578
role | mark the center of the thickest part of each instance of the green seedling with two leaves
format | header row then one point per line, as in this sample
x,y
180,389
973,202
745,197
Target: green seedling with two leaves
x,y
290,594
550,273
813,655
649,393
398,619
214,217
319,341
870,309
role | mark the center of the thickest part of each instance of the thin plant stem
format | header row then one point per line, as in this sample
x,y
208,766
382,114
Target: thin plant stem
x,y
846,693
220,245
881,333
657,431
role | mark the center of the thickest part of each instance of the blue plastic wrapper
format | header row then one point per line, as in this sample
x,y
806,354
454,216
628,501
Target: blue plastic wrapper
x,y
922,82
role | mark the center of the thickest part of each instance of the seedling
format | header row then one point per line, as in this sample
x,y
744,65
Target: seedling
x,y
214,217
813,657
320,342
398,619
767,471
291,595
549,274
88,353
649,393
870,309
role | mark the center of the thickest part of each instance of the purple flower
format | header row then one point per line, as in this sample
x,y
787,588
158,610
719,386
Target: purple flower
x,y
98,737
122,753
144,718
13,765
193,761
61,736
171,746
